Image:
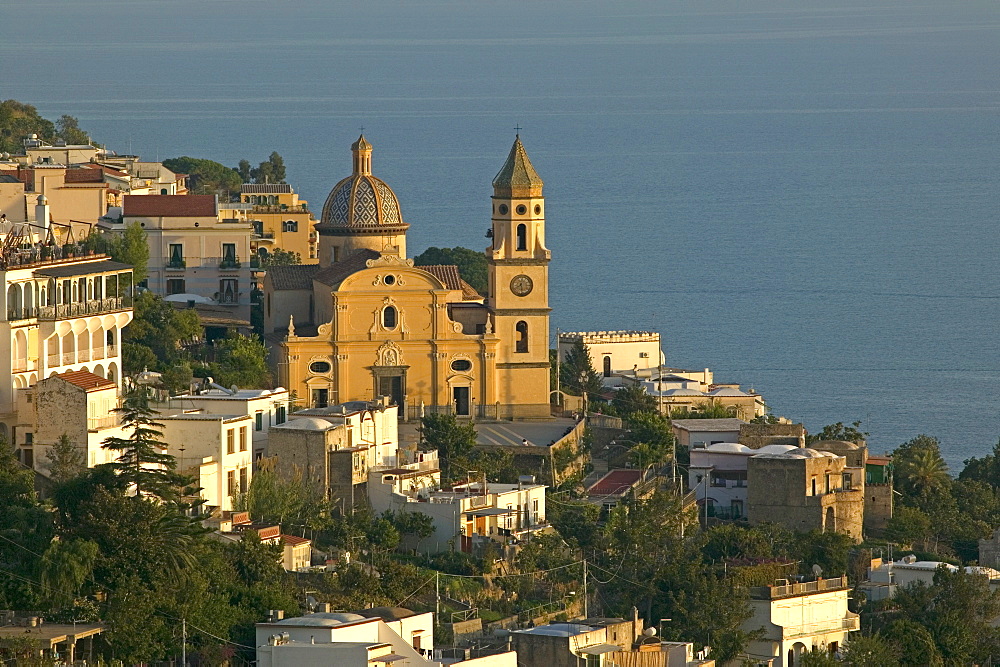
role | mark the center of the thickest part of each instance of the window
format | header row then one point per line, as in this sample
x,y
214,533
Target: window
x,y
175,286
644,355
29,438
461,365
320,367
607,367
522,237
229,252
175,260
289,226
243,480
229,291
231,482
521,344
163,191
814,486
230,441
243,438
258,421
389,317
847,481
279,414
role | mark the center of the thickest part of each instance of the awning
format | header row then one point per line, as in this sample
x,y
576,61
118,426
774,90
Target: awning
x,y
392,657
492,511
600,649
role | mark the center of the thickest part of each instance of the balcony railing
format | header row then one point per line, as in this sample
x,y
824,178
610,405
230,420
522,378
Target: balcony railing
x,y
94,423
229,263
848,624
174,263
63,359
21,313
91,307
23,365
229,298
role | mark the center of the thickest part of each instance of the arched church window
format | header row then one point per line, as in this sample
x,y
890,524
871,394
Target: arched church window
x,y
522,237
521,344
389,317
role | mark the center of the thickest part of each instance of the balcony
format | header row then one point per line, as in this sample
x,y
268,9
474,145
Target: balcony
x,y
14,314
849,624
23,365
174,263
64,311
227,263
64,359
109,421
228,298
786,590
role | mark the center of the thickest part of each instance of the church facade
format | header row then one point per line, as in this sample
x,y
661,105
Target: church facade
x,y
366,323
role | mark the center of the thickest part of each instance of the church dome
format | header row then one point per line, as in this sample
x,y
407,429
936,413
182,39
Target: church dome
x,y
361,202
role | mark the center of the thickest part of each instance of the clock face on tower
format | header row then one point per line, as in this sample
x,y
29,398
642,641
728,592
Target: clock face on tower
x,y
521,285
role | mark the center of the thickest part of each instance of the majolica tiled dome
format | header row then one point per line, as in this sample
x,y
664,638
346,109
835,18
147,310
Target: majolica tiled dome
x,y
361,201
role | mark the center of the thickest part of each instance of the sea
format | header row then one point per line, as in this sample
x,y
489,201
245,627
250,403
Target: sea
x,y
802,196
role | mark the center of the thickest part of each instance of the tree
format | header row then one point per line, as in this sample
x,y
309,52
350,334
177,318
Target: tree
x,y
244,170
838,431
413,525
242,362
65,567
920,468
206,177
279,257
871,651
708,410
65,460
985,469
178,378
143,462
129,247
633,398
271,170
453,441
576,372
161,329
70,132
472,266
907,525
18,121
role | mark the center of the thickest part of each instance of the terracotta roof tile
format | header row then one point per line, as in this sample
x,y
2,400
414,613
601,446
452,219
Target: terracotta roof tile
x,y
84,176
615,482
265,189
332,276
298,276
86,380
170,206
294,541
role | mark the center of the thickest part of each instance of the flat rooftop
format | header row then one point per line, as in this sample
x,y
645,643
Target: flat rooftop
x,y
615,482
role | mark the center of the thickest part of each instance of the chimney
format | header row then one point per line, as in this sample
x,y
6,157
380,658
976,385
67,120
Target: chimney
x,y
274,615
42,212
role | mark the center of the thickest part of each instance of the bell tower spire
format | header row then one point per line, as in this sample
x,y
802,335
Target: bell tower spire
x,y
519,283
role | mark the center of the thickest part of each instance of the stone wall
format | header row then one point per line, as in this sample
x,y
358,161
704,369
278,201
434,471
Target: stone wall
x,y
878,508
756,436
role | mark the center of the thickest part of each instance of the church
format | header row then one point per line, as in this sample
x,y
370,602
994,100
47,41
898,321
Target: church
x,y
366,323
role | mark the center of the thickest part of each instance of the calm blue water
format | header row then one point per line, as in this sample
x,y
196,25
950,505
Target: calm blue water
x,y
801,195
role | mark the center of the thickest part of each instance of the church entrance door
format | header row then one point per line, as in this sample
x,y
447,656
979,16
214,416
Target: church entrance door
x,y
392,386
460,397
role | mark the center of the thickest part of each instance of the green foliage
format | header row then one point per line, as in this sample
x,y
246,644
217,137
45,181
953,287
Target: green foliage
x,y
908,525
242,362
451,439
653,436
271,170
65,567
576,522
872,651
576,372
632,399
289,502
413,525
70,132
65,460
985,469
178,378
919,467
129,247
818,658
206,177
153,339
279,257
839,431
141,461
471,265
710,410
17,122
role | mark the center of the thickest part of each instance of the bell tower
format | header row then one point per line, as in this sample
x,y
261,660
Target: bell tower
x,y
519,286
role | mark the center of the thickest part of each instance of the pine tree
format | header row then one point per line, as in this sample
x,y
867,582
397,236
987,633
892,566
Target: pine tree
x,y
577,374
143,463
66,461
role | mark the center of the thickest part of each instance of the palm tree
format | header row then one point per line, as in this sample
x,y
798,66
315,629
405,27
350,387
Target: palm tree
x,y
923,471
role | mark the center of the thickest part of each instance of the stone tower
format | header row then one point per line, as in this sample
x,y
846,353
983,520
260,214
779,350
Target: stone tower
x,y
519,284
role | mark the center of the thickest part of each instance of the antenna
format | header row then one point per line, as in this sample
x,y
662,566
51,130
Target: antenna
x,y
817,570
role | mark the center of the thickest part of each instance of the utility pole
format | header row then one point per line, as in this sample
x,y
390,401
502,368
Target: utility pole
x,y
558,367
184,639
586,611
437,590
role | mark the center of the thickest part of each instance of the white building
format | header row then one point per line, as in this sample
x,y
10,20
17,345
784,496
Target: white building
x,y
616,351
718,476
213,448
373,425
267,407
468,515
885,577
799,617
60,313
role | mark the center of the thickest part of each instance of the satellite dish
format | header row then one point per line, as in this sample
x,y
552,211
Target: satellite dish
x,y
310,602
817,570
501,632
649,632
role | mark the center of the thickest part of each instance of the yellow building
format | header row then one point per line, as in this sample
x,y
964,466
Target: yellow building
x,y
366,322
280,220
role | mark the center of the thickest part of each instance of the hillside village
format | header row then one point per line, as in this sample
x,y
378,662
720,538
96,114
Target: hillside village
x,y
241,429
